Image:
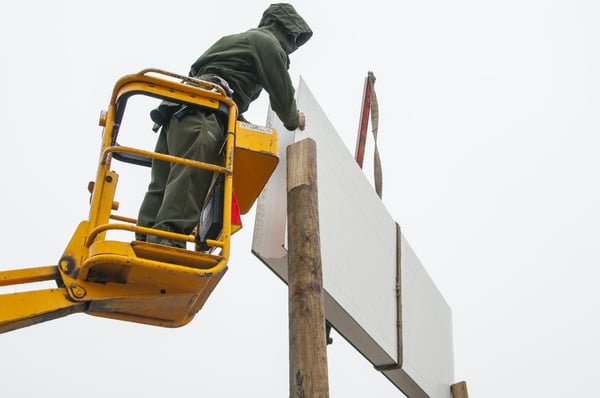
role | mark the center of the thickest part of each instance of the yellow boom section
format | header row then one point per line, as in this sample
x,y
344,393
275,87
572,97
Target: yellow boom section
x,y
139,281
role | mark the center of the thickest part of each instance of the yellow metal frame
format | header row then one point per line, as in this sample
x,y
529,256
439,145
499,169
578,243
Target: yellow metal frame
x,y
134,281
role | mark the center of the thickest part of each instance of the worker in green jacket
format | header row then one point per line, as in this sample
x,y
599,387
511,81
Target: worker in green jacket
x,y
243,64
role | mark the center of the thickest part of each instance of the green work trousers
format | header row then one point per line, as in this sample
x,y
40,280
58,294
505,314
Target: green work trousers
x,y
176,192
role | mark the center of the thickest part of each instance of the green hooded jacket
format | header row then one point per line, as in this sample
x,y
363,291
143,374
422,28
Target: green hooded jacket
x,y
259,59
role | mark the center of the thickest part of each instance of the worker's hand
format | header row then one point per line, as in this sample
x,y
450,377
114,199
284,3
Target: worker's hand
x,y
301,120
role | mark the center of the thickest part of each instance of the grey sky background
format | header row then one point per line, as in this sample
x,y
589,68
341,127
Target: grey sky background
x,y
488,136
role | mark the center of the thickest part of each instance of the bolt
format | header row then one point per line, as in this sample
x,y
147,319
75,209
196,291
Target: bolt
x,y
78,291
66,264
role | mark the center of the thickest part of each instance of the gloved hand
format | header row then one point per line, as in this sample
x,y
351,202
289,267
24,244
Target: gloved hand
x,y
301,120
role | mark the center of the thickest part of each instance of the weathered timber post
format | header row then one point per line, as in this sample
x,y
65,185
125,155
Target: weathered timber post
x,y
308,348
459,390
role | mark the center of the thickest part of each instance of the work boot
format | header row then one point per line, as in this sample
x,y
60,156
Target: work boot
x,y
166,242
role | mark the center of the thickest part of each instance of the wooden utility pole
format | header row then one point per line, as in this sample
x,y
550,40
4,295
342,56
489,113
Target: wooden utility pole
x,y
308,347
459,390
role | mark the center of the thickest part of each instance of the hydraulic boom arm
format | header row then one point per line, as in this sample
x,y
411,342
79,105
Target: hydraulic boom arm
x,y
27,308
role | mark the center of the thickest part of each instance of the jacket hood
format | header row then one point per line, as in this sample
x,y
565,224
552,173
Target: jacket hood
x,y
291,29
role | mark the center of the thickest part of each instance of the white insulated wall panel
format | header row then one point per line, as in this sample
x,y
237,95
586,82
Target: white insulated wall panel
x,y
359,247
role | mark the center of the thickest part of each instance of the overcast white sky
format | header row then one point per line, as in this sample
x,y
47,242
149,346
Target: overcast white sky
x,y
489,139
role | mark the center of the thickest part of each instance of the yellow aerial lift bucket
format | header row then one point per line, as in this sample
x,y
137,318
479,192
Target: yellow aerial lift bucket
x,y
139,281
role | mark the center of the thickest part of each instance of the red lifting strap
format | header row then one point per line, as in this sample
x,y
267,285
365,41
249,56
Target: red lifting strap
x,y
369,105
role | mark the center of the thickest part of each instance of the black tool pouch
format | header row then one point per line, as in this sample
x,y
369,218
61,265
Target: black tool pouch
x,y
162,114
